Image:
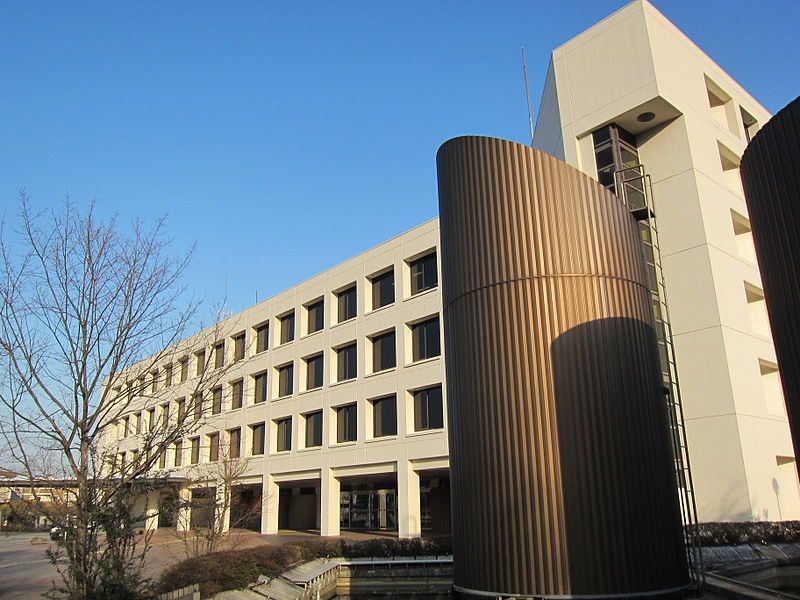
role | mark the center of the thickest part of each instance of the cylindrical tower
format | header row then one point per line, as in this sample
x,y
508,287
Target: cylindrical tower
x,y
561,466
770,172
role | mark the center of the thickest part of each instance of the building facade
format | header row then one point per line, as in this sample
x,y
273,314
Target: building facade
x,y
332,392
634,89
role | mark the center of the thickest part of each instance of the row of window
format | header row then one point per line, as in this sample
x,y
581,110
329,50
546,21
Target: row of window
x,y
428,415
424,276
425,344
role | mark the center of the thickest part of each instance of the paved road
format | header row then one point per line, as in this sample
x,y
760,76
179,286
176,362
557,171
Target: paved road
x,y
25,571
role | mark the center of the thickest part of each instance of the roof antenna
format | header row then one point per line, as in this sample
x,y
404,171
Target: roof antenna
x,y
527,94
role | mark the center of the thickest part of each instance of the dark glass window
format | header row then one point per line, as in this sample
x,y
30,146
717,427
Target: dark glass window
x,y
238,346
287,328
168,375
213,447
235,445
258,438
284,440
316,316
262,337
216,401
314,370
219,355
425,339
346,423
384,416
428,409
181,410
285,380
197,405
195,450
162,460
237,394
383,352
165,414
260,381
314,429
178,454
184,369
200,362
383,289
347,358
423,274
347,303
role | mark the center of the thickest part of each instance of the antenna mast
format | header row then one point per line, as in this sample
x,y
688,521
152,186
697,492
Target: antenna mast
x,y
527,94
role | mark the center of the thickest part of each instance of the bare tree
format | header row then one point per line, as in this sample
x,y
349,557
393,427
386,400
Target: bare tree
x,y
89,315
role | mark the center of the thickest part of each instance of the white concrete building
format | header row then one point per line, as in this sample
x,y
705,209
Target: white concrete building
x,y
335,395
331,391
689,123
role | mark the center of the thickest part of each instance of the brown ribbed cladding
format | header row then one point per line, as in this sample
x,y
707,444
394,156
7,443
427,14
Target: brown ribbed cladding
x,y
561,467
770,172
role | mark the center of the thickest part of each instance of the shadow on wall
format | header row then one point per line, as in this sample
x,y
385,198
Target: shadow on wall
x,y
619,487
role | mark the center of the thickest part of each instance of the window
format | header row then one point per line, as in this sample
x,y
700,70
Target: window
x,y
126,426
151,419
314,429
744,237
314,370
773,391
262,337
197,405
346,423
347,358
216,401
425,339
235,444
258,431
165,414
153,382
138,417
219,355
195,458
423,274
316,316
184,369
287,328
383,289
178,454
238,346
285,380
428,409
384,416
750,124
347,303
284,434
729,162
237,394
721,105
162,460
200,362
757,307
213,447
260,381
181,409
383,352
168,375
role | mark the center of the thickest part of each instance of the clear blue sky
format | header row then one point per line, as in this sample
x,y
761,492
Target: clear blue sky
x,y
286,137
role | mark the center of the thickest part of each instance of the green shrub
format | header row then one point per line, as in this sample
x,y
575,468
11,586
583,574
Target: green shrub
x,y
236,569
762,532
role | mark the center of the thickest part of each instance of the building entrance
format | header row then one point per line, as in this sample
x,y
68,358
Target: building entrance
x,y
368,509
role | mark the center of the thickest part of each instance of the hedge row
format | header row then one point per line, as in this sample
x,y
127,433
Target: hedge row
x,y
764,532
236,569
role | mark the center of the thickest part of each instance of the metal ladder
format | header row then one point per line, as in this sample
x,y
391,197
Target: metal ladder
x,y
635,188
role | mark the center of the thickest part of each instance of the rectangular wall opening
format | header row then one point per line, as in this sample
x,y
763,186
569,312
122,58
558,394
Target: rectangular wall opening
x,y
771,384
744,237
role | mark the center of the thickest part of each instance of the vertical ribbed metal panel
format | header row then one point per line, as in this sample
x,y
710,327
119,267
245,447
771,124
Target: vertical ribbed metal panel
x,y
561,465
770,172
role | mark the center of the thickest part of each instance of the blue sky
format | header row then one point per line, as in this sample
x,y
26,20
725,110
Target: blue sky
x,y
286,137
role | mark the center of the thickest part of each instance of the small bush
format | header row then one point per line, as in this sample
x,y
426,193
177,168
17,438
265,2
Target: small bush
x,y
236,569
762,532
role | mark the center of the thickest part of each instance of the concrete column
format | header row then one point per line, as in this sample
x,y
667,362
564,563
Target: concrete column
x,y
151,510
269,505
223,511
409,520
382,516
329,503
184,512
